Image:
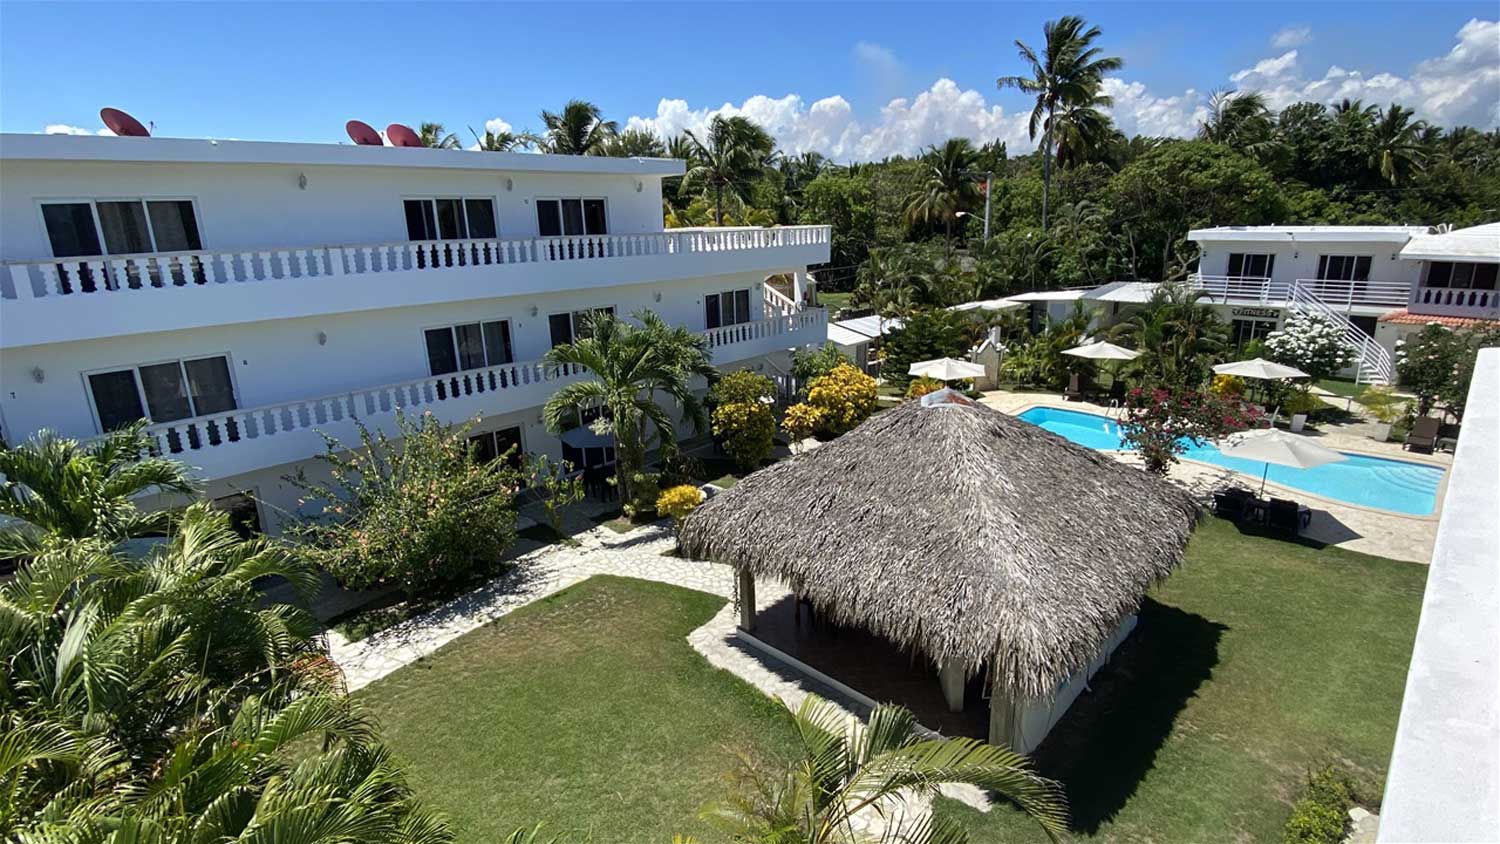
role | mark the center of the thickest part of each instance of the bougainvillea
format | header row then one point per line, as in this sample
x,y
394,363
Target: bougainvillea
x,y
1160,423
846,397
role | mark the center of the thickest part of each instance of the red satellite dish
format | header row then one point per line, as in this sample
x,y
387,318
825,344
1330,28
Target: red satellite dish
x,y
363,134
402,136
123,124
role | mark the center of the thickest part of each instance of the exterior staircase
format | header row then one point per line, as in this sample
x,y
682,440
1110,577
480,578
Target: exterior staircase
x,y
777,302
1373,364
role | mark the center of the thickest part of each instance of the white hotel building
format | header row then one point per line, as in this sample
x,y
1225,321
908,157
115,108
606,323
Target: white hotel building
x,y
1379,283
247,297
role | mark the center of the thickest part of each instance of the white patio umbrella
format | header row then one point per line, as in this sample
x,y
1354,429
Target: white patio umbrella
x,y
1101,350
1279,447
1259,368
987,305
946,369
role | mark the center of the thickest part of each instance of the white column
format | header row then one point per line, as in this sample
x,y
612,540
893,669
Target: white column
x,y
952,676
747,599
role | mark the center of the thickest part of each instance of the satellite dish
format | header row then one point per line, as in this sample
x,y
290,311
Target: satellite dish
x,y
402,136
123,124
363,134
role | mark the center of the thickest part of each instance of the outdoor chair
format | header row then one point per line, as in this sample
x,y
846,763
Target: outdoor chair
x,y
1117,390
1287,516
1230,503
1424,434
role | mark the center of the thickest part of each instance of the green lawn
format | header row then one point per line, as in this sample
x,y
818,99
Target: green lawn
x,y
587,710
1256,661
834,302
1340,387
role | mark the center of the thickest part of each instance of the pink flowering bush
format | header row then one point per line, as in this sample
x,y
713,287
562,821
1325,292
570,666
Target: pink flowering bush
x,y
1161,422
417,512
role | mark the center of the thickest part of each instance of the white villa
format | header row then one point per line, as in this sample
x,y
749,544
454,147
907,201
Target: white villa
x,y
246,296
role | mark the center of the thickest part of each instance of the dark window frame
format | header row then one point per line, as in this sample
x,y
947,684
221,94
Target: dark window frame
x,y
507,350
148,205
192,398
422,215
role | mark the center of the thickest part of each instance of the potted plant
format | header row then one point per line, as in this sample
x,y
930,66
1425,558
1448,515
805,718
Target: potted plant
x,y
1381,402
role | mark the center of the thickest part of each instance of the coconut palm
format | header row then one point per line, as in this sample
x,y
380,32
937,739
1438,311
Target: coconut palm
x,y
726,162
505,141
1240,119
948,186
635,143
1397,150
1069,72
58,488
847,770
630,365
1082,131
1178,335
579,129
435,136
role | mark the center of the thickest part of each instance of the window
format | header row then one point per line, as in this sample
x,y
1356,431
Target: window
x,y
1461,276
1242,331
1344,267
492,445
728,308
568,327
471,346
1250,265
162,392
450,218
570,216
121,227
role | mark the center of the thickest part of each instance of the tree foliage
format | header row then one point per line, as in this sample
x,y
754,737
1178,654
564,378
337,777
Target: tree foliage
x,y
742,419
843,398
1161,422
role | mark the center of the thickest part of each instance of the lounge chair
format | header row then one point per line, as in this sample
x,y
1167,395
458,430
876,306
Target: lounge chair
x,y
1424,434
1117,390
1075,388
1230,503
1287,516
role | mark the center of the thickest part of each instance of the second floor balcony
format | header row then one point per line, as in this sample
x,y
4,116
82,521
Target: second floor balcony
x,y
245,439
1343,295
63,299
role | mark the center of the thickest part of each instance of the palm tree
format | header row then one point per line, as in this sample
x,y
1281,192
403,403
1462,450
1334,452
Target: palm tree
x,y
1070,72
506,141
1241,120
630,365
58,489
435,136
579,129
849,770
1178,335
635,143
948,186
1397,149
726,162
1082,131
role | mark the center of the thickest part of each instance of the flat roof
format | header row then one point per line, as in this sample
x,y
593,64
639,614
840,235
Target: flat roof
x,y
1293,234
35,147
1476,243
1444,778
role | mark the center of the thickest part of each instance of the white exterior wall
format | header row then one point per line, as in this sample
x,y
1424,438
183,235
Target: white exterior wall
x,y
1300,260
1024,724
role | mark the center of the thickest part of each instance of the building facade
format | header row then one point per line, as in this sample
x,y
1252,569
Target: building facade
x,y
248,297
1378,283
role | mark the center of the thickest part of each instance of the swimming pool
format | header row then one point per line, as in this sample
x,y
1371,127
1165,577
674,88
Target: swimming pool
x,y
1397,485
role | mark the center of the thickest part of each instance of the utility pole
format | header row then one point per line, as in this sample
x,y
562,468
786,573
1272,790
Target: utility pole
x,y
989,177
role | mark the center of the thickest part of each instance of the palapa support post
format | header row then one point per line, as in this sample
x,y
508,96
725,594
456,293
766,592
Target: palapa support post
x,y
747,598
952,677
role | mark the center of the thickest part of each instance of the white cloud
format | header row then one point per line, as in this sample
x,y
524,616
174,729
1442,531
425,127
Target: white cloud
x,y
1139,112
877,57
1291,36
65,129
1267,71
496,126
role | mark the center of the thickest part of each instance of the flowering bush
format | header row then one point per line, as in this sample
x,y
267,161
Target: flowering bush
x,y
1312,343
416,512
742,420
1225,386
845,396
923,385
679,501
1437,364
800,421
1160,422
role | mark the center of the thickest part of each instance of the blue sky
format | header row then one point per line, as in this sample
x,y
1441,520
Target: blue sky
x,y
821,76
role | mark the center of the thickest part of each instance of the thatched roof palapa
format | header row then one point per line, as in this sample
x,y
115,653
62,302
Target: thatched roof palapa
x,y
960,531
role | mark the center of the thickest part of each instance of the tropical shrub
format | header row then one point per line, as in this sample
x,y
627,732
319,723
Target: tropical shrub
x,y
924,335
557,484
801,421
1311,343
679,501
1382,402
1455,392
808,364
645,488
418,512
1426,363
1225,386
922,385
742,419
1159,423
1321,815
1179,336
845,397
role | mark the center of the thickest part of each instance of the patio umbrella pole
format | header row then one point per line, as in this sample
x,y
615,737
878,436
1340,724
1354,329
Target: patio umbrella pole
x,y
1263,473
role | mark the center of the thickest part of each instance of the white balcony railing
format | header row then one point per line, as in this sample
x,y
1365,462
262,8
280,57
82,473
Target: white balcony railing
x,y
496,389
1448,301
1335,293
127,274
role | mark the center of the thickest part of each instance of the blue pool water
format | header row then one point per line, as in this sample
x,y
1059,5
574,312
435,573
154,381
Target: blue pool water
x,y
1396,485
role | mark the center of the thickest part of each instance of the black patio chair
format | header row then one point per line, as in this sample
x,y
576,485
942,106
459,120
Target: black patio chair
x,y
1287,516
1424,434
1232,503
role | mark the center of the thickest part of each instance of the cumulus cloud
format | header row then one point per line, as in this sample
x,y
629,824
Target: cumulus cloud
x,y
1267,71
1139,112
496,126
65,129
1291,36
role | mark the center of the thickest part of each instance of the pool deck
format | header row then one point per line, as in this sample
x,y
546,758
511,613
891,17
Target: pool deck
x,y
1378,532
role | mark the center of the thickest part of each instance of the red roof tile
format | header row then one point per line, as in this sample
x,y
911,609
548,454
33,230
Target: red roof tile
x,y
1401,316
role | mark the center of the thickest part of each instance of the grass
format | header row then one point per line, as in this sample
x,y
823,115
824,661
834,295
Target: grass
x,y
1342,388
834,302
587,710
616,521
1255,663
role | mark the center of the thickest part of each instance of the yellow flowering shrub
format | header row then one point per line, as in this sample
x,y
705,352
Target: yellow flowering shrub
x,y
922,385
743,421
1225,386
846,397
801,420
679,501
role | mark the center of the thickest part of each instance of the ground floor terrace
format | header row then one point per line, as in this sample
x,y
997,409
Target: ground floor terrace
x,y
602,689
